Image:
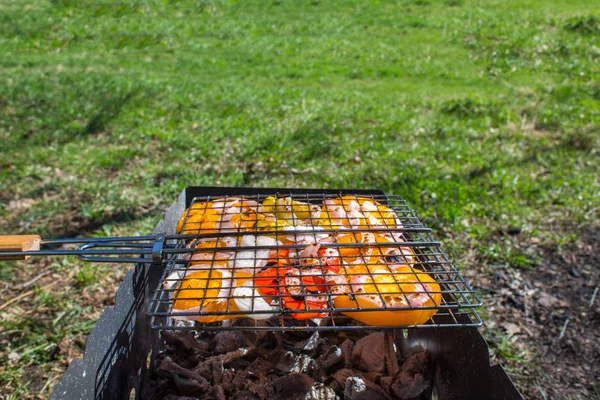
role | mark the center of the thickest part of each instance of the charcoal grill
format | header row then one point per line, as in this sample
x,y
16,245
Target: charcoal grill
x,y
121,347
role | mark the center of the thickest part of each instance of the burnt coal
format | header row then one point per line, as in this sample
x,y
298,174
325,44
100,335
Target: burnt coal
x,y
414,377
298,365
293,386
368,353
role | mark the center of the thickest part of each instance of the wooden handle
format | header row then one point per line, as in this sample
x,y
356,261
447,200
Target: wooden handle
x,y
13,243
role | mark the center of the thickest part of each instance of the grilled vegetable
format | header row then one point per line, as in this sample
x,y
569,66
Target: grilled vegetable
x,y
352,256
377,287
247,298
297,290
207,291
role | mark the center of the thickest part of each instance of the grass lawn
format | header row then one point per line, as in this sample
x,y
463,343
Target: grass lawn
x,y
484,115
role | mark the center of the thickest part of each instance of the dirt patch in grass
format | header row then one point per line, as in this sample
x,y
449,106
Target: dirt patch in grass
x,y
544,322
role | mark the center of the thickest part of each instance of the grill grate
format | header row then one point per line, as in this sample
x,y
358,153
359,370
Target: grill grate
x,y
308,261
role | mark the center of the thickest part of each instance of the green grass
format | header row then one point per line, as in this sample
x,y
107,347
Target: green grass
x,y
482,114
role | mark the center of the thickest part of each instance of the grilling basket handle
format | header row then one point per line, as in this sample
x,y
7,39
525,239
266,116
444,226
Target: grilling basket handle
x,y
18,244
127,249
141,249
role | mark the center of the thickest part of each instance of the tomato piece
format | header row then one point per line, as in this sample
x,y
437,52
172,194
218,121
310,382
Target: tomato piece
x,y
312,305
271,283
330,259
267,282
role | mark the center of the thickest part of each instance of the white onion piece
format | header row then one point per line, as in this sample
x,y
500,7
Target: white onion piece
x,y
309,251
219,256
368,237
404,254
171,280
354,206
305,238
247,299
335,211
224,204
253,260
327,240
267,241
374,222
367,206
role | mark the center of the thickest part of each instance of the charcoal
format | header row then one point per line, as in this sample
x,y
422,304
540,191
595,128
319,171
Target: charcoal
x,y
414,377
292,386
327,361
204,369
217,372
260,390
237,363
391,358
182,345
250,354
212,367
288,365
346,348
260,366
303,364
305,340
230,340
358,388
227,380
189,387
185,341
369,353
239,380
318,391
267,341
215,393
219,393
337,381
168,366
331,357
154,389
282,360
244,395
321,346
373,376
386,383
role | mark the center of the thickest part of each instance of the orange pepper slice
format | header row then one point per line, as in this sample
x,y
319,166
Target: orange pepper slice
x,y
206,221
201,289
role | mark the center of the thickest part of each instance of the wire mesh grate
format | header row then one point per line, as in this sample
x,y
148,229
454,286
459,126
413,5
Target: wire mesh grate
x,y
316,262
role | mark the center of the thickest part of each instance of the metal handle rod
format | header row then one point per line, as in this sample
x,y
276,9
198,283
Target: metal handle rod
x,y
222,233
86,250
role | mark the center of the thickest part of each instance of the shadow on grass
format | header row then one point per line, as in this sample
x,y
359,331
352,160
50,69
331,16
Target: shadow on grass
x,y
81,226
107,112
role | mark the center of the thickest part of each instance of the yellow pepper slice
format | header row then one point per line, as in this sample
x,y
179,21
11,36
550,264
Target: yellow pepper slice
x,y
391,286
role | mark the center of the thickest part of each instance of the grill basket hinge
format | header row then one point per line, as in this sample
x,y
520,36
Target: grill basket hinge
x,y
157,250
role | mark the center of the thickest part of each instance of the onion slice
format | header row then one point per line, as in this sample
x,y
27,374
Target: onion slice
x,y
254,259
304,237
247,299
